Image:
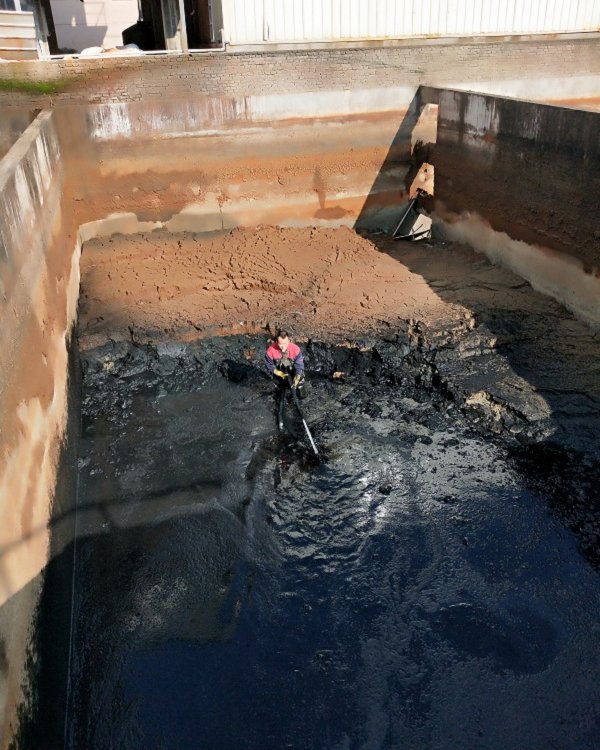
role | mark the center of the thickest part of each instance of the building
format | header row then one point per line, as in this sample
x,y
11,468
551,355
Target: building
x,y
92,23
67,26
18,37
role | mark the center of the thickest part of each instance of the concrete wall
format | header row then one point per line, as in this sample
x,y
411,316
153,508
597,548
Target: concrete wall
x,y
217,163
39,277
541,70
530,172
529,169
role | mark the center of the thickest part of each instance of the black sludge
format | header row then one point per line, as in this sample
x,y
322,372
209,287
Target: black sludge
x,y
411,591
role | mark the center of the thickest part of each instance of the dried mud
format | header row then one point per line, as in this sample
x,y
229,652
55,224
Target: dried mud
x,y
319,282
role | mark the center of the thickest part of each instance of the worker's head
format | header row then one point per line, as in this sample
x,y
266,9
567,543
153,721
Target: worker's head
x,y
283,340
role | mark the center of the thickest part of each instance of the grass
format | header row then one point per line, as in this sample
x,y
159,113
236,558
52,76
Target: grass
x,y
33,87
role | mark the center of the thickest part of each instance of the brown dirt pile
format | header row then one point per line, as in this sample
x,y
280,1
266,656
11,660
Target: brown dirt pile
x,y
318,282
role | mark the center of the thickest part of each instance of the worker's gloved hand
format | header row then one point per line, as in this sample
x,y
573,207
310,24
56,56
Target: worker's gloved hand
x,y
298,385
280,374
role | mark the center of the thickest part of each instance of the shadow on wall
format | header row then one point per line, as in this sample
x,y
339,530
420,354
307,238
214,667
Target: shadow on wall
x,y
40,717
531,170
521,350
79,25
409,149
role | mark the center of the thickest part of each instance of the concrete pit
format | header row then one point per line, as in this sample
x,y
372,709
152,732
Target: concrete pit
x,y
434,581
380,599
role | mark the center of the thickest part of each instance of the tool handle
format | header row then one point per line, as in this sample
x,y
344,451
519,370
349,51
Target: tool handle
x,y
297,405
295,396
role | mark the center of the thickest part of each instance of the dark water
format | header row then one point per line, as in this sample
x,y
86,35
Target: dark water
x,y
412,591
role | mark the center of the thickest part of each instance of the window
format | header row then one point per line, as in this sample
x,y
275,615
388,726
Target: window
x,y
26,5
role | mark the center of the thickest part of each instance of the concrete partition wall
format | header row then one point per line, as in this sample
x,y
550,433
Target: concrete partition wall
x,y
39,278
520,181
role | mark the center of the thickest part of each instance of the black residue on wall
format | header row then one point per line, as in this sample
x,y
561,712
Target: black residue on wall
x,y
532,172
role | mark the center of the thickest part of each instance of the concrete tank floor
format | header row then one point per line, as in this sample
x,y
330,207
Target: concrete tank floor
x,y
511,353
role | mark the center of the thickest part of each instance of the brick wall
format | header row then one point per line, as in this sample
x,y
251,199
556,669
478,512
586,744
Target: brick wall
x,y
510,68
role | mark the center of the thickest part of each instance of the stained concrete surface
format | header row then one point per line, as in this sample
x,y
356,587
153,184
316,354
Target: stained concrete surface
x,y
530,170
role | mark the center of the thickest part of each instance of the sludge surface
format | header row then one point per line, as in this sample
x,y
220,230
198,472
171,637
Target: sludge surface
x,y
412,591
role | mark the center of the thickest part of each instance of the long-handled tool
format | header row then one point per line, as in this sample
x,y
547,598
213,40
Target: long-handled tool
x,y
297,405
281,408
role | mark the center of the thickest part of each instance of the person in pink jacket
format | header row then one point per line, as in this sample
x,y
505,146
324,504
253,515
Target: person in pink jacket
x,y
284,361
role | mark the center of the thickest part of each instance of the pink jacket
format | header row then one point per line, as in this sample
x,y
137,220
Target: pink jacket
x,y
274,354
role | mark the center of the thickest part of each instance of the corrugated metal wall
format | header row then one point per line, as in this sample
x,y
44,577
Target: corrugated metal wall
x,y
272,21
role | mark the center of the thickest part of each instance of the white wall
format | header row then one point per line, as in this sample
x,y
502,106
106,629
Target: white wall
x,y
273,21
93,23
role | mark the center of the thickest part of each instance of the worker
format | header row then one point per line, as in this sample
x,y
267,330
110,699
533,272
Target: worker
x,y
284,361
